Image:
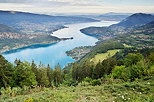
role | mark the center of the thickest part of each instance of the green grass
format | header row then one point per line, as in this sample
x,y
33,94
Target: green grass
x,y
102,56
127,45
110,91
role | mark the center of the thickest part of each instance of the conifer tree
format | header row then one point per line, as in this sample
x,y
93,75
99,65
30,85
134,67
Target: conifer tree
x,y
6,70
57,75
50,75
23,75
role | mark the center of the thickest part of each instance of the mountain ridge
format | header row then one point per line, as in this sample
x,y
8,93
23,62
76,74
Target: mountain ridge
x,y
136,19
125,26
18,16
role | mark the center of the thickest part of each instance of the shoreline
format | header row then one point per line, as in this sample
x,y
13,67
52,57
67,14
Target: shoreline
x,y
21,46
3,51
24,46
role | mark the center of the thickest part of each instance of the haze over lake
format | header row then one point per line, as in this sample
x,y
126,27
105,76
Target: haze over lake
x,y
55,53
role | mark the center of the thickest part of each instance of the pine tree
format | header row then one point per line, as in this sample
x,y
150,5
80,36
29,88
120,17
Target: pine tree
x,y
57,75
98,71
23,75
50,75
6,70
34,67
108,65
43,79
75,71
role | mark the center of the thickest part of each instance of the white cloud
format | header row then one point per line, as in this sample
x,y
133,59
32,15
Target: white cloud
x,y
72,6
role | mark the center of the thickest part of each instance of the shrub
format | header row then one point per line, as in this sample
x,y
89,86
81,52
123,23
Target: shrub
x,y
151,70
16,91
87,79
118,71
132,59
6,91
96,82
70,83
28,100
138,70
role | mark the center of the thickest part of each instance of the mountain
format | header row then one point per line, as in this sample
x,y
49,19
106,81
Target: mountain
x,y
98,31
113,16
19,29
5,28
125,26
30,23
147,26
139,37
10,17
137,19
142,36
115,13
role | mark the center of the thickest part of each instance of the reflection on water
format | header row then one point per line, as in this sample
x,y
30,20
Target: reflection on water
x,y
28,47
55,53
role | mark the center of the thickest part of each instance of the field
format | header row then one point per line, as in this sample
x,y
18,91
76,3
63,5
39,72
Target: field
x,y
110,91
102,56
127,45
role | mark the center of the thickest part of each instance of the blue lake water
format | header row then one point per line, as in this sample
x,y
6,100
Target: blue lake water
x,y
55,53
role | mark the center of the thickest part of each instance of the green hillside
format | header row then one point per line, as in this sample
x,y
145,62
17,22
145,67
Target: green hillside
x,y
103,56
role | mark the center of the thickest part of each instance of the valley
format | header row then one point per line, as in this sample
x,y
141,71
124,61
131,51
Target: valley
x,y
80,60
56,53
21,29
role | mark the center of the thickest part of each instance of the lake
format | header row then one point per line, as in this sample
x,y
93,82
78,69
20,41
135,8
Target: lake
x,y
55,53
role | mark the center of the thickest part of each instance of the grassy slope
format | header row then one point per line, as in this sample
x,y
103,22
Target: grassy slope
x,y
127,45
102,56
110,91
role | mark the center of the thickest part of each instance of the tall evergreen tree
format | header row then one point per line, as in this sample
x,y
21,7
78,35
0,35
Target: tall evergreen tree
x,y
57,75
43,79
50,75
23,75
75,71
6,70
98,71
34,67
108,65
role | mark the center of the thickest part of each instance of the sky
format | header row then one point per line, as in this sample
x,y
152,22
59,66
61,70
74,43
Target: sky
x,y
78,6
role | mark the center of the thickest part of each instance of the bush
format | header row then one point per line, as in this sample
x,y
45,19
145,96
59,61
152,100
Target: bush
x,y
6,91
151,70
138,70
28,100
70,83
132,59
16,91
96,82
87,79
118,71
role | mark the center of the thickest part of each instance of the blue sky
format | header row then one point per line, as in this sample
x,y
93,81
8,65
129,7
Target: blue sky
x,y
78,6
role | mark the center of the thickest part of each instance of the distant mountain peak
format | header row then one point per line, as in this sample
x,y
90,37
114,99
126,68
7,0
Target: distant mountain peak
x,y
136,19
140,14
